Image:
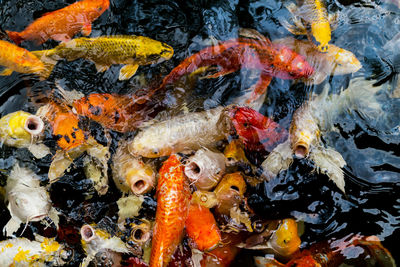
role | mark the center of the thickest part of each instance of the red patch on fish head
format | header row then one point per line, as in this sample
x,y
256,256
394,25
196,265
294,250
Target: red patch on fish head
x,y
255,130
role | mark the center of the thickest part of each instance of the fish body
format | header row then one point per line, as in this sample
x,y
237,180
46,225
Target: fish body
x,y
257,132
19,59
21,129
231,55
336,61
62,24
181,133
105,51
24,252
202,228
27,200
173,196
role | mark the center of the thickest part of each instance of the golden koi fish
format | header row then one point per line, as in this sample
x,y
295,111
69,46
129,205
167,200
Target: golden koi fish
x,y
105,51
19,59
314,15
21,129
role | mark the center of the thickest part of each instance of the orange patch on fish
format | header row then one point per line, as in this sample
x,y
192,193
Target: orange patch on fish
x,y
173,195
62,24
202,228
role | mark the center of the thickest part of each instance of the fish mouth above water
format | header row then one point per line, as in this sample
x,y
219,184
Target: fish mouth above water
x,y
34,125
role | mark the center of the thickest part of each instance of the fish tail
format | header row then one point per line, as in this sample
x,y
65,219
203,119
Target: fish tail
x,y
69,96
15,37
48,69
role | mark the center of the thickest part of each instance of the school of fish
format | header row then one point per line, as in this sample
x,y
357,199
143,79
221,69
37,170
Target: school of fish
x,y
196,165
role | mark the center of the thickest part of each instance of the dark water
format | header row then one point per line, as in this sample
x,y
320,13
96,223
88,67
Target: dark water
x,y
371,205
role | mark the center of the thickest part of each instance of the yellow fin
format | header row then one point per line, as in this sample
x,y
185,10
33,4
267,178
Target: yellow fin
x,y
127,72
6,72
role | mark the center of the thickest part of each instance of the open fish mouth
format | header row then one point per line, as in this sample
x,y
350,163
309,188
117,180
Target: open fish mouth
x,y
37,218
34,125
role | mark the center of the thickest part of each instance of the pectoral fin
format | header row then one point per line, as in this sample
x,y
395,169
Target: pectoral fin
x,y
6,72
39,150
11,227
127,72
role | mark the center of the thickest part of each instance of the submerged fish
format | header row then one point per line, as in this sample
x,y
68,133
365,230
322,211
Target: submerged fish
x,y
231,55
351,250
283,241
173,194
19,59
181,133
105,51
22,129
27,200
24,252
336,61
257,132
311,19
122,113
202,228
62,24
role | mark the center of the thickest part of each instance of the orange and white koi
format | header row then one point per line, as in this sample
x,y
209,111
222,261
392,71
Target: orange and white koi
x,y
173,195
62,24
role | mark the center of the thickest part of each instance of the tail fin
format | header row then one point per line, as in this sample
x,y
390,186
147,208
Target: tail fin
x,y
48,63
48,68
15,36
69,96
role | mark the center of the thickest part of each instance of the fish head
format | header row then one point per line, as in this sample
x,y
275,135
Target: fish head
x,y
107,258
290,65
285,240
346,61
304,131
152,51
29,204
255,130
98,6
22,125
321,35
230,191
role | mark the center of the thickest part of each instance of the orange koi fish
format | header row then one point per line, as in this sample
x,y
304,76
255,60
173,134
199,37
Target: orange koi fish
x,y
202,228
63,24
231,55
18,59
173,195
121,113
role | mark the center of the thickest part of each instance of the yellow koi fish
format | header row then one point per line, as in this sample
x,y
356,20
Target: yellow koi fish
x,y
19,59
311,19
21,129
105,51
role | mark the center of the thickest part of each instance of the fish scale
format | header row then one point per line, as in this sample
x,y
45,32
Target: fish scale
x,y
173,195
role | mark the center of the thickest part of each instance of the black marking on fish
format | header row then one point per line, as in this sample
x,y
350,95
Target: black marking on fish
x,y
116,116
66,137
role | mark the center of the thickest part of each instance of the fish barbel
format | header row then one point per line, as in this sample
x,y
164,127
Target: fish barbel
x,y
105,51
19,59
24,252
181,133
173,197
62,24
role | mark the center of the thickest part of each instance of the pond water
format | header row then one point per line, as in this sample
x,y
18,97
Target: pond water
x,y
369,145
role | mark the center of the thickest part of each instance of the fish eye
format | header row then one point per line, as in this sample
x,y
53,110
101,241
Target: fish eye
x,y
246,124
154,56
155,151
